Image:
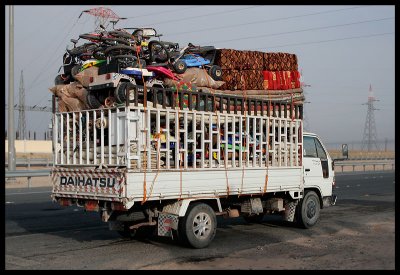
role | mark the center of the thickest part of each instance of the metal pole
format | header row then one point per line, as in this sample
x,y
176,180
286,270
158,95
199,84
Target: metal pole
x,y
11,138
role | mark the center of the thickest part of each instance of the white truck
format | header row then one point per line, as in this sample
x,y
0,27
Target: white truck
x,y
186,157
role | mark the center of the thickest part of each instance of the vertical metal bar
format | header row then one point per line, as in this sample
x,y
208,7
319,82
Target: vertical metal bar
x,y
159,132
194,138
102,136
68,141
94,138
190,100
210,145
80,138
87,137
203,148
226,135
240,140
235,105
234,139
148,154
218,139
254,140
116,135
109,135
168,138
185,144
73,138
228,104
62,138
55,137
247,141
178,139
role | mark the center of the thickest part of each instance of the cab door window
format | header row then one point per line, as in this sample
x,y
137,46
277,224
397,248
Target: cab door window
x,y
313,149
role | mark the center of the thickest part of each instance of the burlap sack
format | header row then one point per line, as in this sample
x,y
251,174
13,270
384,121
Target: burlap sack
x,y
84,76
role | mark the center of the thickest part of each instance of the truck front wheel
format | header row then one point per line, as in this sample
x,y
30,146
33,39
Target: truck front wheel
x,y
198,227
307,212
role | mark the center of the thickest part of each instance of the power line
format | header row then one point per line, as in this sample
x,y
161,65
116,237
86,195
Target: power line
x,y
156,13
303,30
62,41
264,21
323,41
208,14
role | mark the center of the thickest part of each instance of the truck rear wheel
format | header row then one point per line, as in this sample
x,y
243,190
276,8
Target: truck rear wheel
x,y
307,212
198,227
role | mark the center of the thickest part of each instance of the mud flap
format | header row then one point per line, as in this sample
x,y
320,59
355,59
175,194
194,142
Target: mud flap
x,y
290,210
167,222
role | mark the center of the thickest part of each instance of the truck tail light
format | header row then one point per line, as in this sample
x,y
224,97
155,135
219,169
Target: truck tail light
x,y
65,202
91,79
333,182
91,206
108,76
118,206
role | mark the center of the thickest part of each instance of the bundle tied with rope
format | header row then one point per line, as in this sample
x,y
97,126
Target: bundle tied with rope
x,y
72,97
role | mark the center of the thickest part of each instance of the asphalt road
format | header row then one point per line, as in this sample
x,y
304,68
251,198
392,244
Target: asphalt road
x,y
40,234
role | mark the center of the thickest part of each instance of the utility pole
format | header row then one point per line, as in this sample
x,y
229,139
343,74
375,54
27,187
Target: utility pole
x,y
370,136
11,132
21,116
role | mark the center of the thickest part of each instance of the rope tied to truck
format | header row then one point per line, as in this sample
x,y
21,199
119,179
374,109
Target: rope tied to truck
x,y
267,149
157,137
147,132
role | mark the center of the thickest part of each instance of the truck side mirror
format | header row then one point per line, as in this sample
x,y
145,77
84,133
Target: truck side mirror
x,y
345,151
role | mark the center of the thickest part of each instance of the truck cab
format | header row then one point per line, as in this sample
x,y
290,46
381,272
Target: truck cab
x,y
319,180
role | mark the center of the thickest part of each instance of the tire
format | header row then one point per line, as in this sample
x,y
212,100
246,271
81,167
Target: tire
x,y
120,50
87,47
92,101
59,80
215,72
120,34
254,218
198,215
308,210
99,54
157,52
180,67
107,40
120,91
75,70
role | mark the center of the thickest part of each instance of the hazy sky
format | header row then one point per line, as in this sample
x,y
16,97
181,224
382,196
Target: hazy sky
x,y
341,50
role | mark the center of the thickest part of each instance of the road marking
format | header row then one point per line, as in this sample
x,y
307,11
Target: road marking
x,y
347,186
366,178
8,202
374,177
27,193
358,185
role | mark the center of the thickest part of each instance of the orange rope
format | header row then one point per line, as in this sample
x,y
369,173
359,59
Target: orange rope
x,y
267,152
145,143
158,137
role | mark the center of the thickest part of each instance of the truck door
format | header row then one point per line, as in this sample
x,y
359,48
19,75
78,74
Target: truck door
x,y
316,164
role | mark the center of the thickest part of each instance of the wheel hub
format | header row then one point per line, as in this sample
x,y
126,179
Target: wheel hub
x,y
202,225
311,209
